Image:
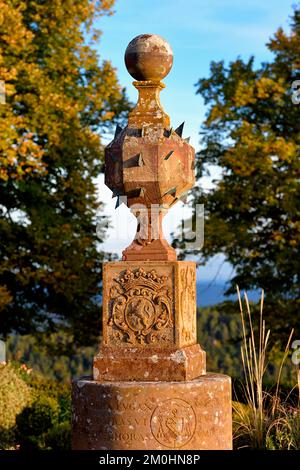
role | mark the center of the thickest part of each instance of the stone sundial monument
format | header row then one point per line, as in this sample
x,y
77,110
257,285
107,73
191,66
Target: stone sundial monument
x,y
150,389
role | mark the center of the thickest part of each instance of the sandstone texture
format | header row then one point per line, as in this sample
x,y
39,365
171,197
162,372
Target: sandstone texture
x,y
153,415
149,322
150,389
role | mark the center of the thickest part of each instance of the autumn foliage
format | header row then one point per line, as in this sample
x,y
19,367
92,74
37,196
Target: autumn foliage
x,y
60,98
252,133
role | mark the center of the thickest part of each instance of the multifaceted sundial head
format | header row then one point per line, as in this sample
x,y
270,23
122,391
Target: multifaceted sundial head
x,y
147,161
148,57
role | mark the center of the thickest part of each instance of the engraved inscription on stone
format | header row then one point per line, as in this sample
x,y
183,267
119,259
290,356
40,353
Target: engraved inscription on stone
x,y
140,306
173,423
130,423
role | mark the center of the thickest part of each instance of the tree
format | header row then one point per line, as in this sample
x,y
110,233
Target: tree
x,y
58,102
252,132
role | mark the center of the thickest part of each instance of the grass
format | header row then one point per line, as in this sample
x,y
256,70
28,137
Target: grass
x,y
265,420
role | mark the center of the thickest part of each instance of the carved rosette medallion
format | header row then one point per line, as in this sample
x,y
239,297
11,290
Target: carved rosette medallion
x,y
140,306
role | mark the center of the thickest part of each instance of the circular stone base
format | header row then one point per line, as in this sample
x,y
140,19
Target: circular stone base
x,y
193,415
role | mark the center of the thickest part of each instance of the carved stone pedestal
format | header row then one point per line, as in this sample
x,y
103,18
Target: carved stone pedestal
x,y
157,364
149,322
153,415
150,389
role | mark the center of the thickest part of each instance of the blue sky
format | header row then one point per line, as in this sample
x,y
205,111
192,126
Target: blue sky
x,y
199,31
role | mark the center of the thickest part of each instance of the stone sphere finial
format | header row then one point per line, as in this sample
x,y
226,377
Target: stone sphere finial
x,y
149,57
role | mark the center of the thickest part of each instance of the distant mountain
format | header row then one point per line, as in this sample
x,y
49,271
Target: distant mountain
x,y
211,293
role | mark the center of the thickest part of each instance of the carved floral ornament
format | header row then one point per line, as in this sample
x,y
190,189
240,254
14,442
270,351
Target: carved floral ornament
x,y
140,306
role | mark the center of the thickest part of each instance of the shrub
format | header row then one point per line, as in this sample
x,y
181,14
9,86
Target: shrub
x,y
41,385
65,407
35,420
59,437
35,413
15,395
